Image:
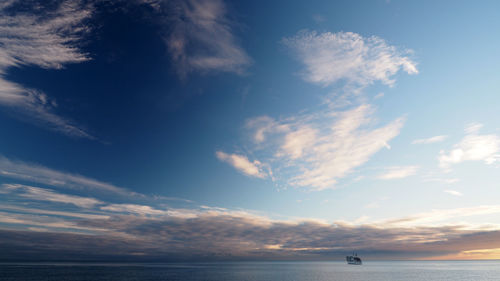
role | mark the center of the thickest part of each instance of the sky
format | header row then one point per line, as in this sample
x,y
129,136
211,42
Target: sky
x,y
206,130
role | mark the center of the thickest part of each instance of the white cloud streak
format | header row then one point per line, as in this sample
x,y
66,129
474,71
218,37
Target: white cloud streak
x,y
242,164
40,174
53,213
330,57
43,194
429,140
47,41
473,147
134,209
398,172
453,192
441,215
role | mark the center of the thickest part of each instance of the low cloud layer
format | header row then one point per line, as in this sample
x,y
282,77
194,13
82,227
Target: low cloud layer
x,y
227,236
42,223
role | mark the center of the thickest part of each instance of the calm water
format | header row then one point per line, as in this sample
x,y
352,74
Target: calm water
x,y
261,271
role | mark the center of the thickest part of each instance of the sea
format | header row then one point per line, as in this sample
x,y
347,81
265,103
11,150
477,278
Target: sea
x,y
255,271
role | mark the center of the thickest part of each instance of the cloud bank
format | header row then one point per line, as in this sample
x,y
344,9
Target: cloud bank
x,y
43,224
229,236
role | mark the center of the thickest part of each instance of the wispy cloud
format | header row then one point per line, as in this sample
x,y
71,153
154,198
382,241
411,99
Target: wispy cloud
x,y
43,211
40,174
43,194
453,192
438,216
133,208
242,164
473,147
330,57
398,172
201,37
316,150
429,140
47,39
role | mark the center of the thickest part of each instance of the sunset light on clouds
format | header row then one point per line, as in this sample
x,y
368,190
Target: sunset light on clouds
x,y
154,130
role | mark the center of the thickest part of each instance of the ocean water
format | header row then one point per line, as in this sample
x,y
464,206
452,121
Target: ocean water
x,y
257,271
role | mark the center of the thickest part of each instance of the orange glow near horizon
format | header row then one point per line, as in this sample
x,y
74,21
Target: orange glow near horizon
x,y
479,254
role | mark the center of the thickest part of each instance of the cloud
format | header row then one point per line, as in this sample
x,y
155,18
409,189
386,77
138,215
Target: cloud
x,y
51,223
398,172
233,236
121,231
429,140
473,147
453,192
201,37
315,150
45,38
40,174
133,208
242,164
37,193
436,217
39,211
331,57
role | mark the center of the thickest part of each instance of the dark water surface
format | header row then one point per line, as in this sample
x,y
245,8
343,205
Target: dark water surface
x,y
256,271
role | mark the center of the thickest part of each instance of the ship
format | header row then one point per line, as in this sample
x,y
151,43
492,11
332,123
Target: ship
x,y
354,259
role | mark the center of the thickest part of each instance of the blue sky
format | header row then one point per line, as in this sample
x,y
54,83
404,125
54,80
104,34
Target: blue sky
x,y
208,130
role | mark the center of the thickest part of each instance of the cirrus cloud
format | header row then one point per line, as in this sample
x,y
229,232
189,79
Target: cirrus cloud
x,y
330,57
398,172
48,40
429,140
